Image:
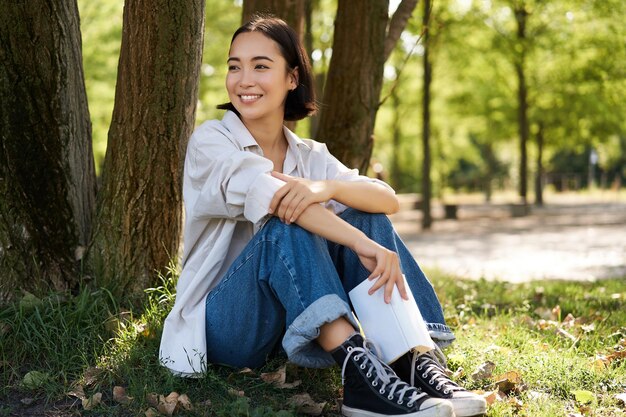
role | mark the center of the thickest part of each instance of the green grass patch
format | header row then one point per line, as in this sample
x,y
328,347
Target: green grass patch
x,y
562,341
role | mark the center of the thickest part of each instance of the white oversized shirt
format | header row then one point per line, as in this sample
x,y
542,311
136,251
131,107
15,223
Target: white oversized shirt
x,y
227,190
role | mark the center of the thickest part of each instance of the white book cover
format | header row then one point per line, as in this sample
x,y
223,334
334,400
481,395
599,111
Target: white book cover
x,y
395,328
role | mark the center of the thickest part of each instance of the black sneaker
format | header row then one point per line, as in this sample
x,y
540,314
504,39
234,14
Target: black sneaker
x,y
372,389
426,374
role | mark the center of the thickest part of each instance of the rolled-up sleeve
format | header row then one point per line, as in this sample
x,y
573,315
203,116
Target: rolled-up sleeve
x,y
224,181
336,170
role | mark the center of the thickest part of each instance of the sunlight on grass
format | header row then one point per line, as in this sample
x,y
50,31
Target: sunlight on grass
x,y
566,342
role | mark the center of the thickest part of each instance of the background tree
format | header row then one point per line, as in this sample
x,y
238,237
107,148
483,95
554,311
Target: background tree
x,y
363,39
426,160
291,11
139,206
47,178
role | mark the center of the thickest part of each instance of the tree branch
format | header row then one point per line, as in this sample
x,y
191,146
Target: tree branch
x,y
398,23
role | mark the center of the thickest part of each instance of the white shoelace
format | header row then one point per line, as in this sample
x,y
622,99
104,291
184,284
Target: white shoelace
x,y
432,369
384,374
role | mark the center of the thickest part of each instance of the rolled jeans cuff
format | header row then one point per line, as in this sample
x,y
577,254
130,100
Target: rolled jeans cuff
x,y
441,334
299,340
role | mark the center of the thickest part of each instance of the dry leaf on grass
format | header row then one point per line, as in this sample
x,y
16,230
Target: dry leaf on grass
x,y
246,371
35,379
185,402
27,401
484,371
119,395
91,375
493,396
509,381
93,401
151,412
565,334
236,393
621,398
278,378
78,392
305,404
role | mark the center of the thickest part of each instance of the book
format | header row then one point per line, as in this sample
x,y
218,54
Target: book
x,y
394,328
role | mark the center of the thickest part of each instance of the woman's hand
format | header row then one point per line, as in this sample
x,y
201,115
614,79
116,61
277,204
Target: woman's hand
x,y
382,263
294,197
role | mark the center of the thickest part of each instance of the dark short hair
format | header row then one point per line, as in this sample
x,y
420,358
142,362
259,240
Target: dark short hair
x,y
300,102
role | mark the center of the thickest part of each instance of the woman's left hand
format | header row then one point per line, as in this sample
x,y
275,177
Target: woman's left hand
x,y
296,195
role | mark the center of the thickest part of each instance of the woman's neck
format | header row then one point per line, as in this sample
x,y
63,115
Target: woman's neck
x,y
269,136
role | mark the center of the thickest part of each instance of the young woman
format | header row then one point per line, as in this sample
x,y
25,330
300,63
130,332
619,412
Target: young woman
x,y
278,231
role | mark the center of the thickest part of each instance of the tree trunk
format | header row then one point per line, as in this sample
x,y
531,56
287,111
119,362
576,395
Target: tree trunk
x,y
539,174
139,207
291,11
522,98
354,81
47,176
427,219
396,135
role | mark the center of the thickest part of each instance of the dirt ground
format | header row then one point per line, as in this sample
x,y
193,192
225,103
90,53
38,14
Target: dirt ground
x,y
571,237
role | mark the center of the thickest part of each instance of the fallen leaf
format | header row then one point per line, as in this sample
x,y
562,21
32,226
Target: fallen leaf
x,y
35,379
91,375
484,371
493,396
167,408
172,397
119,395
536,396
236,393
460,372
583,396
278,378
621,397
93,401
151,412
508,381
27,401
246,371
305,404
29,301
569,320
78,392
185,402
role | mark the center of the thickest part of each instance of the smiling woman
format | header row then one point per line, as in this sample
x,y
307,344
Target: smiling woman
x,y
278,231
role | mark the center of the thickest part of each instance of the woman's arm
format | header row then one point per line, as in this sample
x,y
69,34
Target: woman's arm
x,y
380,261
297,194
365,196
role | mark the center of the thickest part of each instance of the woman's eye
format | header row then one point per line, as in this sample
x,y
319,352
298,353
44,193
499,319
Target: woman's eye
x,y
232,67
261,66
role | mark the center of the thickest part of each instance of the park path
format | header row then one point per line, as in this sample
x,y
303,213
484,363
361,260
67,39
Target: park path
x,y
571,237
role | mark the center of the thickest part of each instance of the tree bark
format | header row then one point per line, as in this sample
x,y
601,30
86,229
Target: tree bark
x,y
354,81
521,15
427,219
47,176
291,11
397,24
139,207
539,173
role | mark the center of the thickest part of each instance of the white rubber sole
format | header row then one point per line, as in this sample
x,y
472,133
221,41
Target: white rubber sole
x,y
439,410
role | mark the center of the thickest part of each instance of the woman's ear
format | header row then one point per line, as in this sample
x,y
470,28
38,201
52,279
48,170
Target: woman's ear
x,y
293,78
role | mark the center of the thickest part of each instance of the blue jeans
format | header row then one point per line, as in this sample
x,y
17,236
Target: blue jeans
x,y
288,282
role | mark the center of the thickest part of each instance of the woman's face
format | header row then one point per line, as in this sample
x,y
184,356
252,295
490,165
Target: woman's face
x,y
258,79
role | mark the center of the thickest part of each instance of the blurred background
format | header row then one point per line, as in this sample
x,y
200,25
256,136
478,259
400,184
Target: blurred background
x,y
572,54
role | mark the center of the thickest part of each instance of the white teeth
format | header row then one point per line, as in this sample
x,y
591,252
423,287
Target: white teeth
x,y
250,97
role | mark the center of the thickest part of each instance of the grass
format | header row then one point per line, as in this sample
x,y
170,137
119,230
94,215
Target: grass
x,y
91,342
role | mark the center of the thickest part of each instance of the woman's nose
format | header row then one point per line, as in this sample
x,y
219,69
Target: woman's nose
x,y
246,79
